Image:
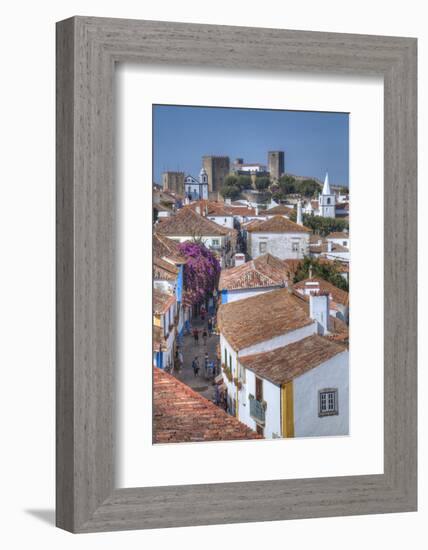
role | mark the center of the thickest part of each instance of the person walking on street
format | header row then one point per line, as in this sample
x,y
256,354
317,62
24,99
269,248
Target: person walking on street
x,y
206,364
195,366
180,359
205,336
196,335
210,326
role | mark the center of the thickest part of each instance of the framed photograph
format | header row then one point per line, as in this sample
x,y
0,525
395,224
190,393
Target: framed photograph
x,y
224,353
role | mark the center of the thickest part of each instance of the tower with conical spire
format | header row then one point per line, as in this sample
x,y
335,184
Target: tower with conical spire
x,y
327,201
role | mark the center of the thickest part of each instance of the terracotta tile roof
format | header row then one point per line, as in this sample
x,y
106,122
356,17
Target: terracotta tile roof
x,y
240,210
162,301
188,223
182,415
338,235
209,208
264,271
291,267
339,330
167,249
280,209
323,248
321,285
163,270
252,224
288,362
262,317
315,239
278,224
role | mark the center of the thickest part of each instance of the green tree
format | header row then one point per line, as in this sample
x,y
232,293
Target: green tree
x,y
328,271
287,185
244,182
230,192
308,188
320,225
323,226
262,183
231,179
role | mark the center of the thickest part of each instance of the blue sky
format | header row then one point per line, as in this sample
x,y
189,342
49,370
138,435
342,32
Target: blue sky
x,y
313,141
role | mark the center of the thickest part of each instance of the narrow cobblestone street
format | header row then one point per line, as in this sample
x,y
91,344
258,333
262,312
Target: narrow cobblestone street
x,y
203,383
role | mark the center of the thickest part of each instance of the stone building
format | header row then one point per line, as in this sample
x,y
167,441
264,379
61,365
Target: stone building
x,y
276,164
173,181
278,236
217,168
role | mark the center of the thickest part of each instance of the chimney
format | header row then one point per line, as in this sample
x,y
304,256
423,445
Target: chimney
x,y
198,209
329,246
319,311
228,201
257,209
299,218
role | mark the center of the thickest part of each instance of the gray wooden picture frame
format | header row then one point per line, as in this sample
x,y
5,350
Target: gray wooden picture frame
x,y
87,50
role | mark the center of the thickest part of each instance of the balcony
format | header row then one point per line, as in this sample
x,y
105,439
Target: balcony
x,y
257,410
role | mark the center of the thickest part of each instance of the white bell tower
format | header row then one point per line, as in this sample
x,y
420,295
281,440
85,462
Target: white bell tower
x,y
327,201
203,184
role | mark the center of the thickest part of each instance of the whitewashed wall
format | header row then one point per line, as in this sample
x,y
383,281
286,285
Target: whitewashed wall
x,y
224,221
280,245
240,294
331,374
272,396
343,242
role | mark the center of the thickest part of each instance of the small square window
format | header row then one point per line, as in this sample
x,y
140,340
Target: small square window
x,y
295,246
262,248
328,404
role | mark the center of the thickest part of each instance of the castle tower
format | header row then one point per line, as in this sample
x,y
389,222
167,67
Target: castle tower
x,y
327,201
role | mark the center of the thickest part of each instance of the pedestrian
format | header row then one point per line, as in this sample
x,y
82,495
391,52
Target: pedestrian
x,y
180,359
206,364
203,311
210,326
195,366
196,335
205,336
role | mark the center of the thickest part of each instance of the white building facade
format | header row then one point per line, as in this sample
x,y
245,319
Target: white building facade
x,y
196,189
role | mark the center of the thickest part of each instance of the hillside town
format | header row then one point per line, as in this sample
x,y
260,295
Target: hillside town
x,y
250,303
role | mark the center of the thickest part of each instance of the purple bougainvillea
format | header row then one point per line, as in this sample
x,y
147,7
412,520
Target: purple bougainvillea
x,y
201,272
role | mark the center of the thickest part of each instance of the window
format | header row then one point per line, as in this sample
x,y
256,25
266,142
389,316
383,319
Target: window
x,y
295,246
225,357
262,248
328,402
328,201
215,242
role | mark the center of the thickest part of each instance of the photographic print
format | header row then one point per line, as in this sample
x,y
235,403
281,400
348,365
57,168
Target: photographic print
x,y
251,261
